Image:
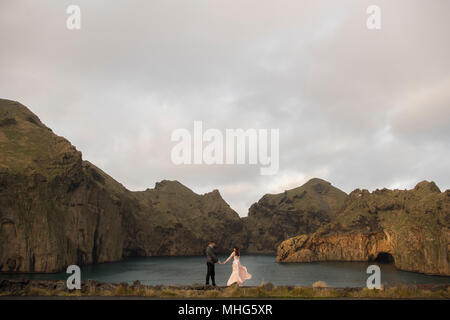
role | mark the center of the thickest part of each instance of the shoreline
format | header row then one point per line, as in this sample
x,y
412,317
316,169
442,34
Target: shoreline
x,y
92,289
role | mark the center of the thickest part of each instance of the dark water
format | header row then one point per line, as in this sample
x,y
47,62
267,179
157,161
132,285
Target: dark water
x,y
191,270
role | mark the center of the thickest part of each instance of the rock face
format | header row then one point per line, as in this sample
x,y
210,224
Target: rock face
x,y
54,210
409,226
57,210
277,217
173,220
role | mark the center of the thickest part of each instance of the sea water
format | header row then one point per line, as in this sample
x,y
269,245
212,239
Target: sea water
x,y
192,270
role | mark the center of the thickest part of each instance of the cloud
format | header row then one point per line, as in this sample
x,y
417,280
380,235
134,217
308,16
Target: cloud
x,y
359,108
424,114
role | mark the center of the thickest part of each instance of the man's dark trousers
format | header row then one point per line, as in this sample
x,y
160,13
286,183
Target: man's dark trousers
x,y
210,273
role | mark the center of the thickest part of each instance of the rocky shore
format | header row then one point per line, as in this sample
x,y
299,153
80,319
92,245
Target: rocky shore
x,y
408,227
91,288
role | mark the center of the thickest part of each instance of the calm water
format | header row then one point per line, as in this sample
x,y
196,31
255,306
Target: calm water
x,y
191,270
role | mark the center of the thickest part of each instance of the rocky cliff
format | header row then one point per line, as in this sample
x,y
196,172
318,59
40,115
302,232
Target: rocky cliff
x,y
53,208
173,220
410,227
276,217
57,210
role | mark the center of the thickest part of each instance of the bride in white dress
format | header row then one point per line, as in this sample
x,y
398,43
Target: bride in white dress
x,y
239,273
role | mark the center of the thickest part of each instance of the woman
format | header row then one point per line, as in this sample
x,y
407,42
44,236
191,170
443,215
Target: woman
x,y
239,273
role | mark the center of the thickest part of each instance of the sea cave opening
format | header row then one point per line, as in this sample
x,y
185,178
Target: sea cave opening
x,y
383,257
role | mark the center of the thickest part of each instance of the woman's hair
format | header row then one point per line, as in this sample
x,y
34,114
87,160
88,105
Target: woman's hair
x,y
236,250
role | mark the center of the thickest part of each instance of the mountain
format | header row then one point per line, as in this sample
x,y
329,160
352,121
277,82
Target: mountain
x,y
409,227
276,217
57,210
173,220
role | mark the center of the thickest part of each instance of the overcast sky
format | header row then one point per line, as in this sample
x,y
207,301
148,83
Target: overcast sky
x,y
360,108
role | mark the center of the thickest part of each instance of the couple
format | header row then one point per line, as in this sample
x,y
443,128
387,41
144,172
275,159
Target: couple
x,y
239,273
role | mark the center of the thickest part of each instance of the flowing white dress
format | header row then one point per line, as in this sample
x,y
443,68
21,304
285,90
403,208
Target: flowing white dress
x,y
239,273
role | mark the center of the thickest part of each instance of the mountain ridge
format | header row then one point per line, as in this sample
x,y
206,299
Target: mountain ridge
x,y
57,209
303,209
411,227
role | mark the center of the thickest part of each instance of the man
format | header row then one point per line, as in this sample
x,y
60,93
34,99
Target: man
x,y
211,259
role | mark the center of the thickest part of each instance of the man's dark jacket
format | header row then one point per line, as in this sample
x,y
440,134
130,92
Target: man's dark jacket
x,y
211,255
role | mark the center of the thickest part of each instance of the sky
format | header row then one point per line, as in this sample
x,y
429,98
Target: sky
x,y
359,108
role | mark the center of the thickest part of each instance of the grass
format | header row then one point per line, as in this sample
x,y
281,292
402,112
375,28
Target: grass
x,y
266,290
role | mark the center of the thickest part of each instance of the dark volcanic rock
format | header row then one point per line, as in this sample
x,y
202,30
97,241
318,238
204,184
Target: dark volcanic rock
x,y
173,220
57,210
276,217
412,227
